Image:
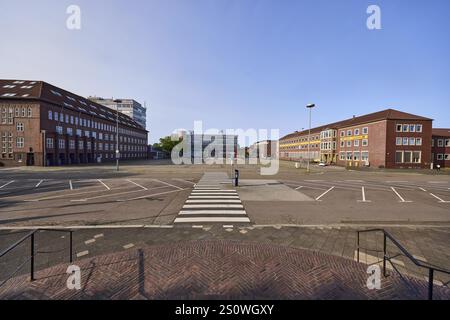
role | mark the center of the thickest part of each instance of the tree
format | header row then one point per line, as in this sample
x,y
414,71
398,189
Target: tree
x,y
166,144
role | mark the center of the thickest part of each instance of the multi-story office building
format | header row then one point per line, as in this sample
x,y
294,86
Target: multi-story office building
x,y
385,139
44,125
204,147
129,107
441,147
263,149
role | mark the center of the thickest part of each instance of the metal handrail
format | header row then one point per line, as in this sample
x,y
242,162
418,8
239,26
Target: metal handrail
x,y
33,253
387,235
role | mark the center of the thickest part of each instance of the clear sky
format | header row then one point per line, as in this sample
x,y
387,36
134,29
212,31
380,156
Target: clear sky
x,y
237,63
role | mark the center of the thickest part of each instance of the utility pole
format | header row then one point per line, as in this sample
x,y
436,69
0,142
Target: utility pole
x,y
310,107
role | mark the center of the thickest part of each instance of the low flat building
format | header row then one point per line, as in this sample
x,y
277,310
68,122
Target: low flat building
x,y
384,139
440,154
128,107
43,125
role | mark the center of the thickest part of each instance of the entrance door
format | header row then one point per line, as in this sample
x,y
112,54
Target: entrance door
x,y
30,159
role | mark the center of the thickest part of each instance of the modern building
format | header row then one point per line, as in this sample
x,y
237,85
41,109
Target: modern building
x,y
203,147
265,149
384,139
129,107
44,125
440,144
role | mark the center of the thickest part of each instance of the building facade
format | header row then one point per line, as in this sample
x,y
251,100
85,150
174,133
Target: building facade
x,y
129,107
385,139
44,125
207,147
263,149
441,147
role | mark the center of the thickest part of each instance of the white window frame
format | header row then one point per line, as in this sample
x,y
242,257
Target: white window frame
x,y
399,141
440,156
440,143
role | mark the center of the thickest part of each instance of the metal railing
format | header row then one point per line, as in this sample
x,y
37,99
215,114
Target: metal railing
x,y
31,235
420,264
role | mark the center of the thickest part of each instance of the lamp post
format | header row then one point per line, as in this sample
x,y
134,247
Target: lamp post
x,y
117,134
309,106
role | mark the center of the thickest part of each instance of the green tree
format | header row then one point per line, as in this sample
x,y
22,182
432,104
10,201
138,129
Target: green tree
x,y
166,144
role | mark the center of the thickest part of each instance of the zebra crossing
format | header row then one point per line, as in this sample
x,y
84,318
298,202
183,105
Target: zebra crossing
x,y
210,202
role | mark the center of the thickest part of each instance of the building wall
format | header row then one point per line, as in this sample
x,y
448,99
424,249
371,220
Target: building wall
x,y
441,151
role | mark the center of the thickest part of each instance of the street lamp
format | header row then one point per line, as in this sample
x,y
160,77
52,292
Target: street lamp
x,y
309,106
117,133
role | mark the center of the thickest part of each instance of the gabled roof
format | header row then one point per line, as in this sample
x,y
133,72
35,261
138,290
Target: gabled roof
x,y
441,132
40,90
388,114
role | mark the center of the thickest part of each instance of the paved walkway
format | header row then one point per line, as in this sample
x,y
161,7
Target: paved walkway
x,y
216,269
210,202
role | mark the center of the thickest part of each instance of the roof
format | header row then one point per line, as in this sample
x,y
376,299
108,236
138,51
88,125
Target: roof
x,y
43,91
388,114
441,132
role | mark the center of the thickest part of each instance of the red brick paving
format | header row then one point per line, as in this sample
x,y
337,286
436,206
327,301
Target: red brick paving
x,y
216,270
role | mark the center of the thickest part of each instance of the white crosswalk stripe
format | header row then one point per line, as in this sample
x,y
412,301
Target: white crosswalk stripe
x,y
211,203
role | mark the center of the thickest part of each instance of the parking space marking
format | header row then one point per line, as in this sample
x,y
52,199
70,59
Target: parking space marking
x,y
398,195
182,180
39,183
363,191
6,184
422,189
113,194
104,184
298,188
89,241
168,184
82,254
137,184
323,194
70,185
440,200
128,246
152,195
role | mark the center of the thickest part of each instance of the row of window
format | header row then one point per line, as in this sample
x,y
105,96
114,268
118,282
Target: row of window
x,y
99,146
408,156
101,136
354,156
354,132
355,143
409,127
7,114
74,120
441,143
441,156
405,141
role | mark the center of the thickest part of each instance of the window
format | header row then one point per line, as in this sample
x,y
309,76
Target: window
x,y
356,156
61,143
50,143
356,132
405,141
349,133
405,128
61,117
342,133
19,127
447,143
71,120
419,128
365,156
72,144
432,142
80,144
349,143
79,132
418,141
70,131
349,156
398,141
440,143
446,157
20,142
59,129
398,156
356,143
412,141
416,157
342,156
50,115
30,112
365,142
399,128
412,128
440,156
407,156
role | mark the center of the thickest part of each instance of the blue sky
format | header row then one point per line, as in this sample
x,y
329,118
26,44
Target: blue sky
x,y
238,63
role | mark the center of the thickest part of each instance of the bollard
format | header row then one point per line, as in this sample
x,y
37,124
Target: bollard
x,y
236,178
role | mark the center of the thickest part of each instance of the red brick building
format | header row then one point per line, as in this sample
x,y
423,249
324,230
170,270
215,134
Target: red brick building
x,y
440,153
44,125
385,139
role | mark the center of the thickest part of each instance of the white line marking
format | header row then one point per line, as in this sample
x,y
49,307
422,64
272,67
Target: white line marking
x,y
398,195
83,253
108,188
213,191
230,226
98,236
6,184
113,194
298,188
176,179
313,180
319,197
197,227
89,241
137,184
440,200
209,206
213,197
214,194
423,189
39,183
128,246
213,212
70,185
212,219
152,195
363,191
213,201
169,184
